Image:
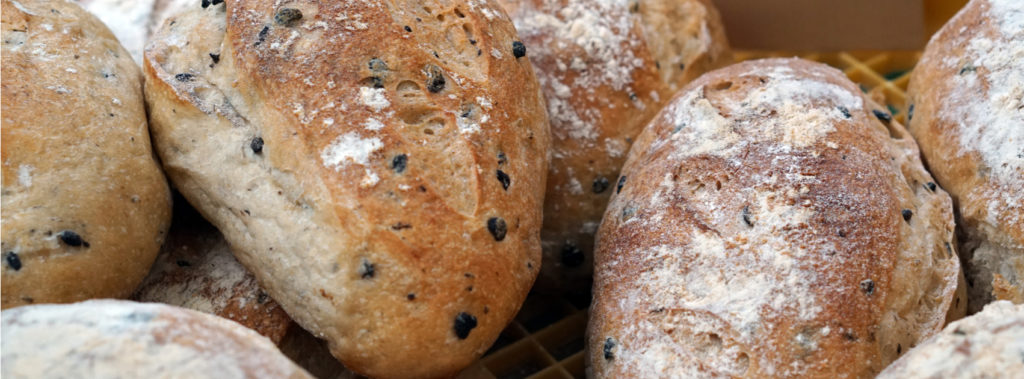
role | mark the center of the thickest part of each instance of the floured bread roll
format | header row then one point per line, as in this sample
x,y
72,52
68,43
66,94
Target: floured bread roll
x,y
771,222
85,205
989,344
196,270
123,339
379,167
967,112
606,68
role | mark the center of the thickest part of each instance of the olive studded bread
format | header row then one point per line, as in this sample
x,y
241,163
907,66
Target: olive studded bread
x,y
123,339
988,344
771,221
378,166
606,68
85,205
196,270
967,112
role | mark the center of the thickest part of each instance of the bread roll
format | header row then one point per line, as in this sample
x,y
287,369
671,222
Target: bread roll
x,y
85,206
123,339
771,222
196,270
606,68
387,195
988,344
967,112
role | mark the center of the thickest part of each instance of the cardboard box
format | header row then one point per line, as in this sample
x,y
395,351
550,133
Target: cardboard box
x,y
833,25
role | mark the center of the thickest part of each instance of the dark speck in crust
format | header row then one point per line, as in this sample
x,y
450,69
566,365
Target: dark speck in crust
x,y
435,79
184,77
13,261
366,269
288,17
907,214
622,182
464,323
845,112
868,286
572,256
910,113
71,239
497,227
504,179
600,184
609,344
411,296
206,3
502,158
518,49
262,36
398,163
408,29
931,186
746,216
884,116
256,145
182,263
215,57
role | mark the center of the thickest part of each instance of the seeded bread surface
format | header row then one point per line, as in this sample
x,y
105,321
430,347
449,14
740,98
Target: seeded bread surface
x,y
771,222
85,205
378,166
967,112
606,68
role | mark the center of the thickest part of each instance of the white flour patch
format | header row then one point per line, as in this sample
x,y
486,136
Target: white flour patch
x,y
349,148
374,98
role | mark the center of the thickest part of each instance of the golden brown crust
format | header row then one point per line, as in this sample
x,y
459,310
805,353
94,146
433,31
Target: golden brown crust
x,y
770,225
123,339
376,179
85,206
605,68
968,116
196,270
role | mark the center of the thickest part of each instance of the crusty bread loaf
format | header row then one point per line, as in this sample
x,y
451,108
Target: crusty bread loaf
x,y
387,195
989,344
606,68
771,222
967,112
196,270
85,206
123,339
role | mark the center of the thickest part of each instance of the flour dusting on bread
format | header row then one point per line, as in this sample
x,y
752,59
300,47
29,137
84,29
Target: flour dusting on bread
x,y
991,118
120,339
777,108
600,30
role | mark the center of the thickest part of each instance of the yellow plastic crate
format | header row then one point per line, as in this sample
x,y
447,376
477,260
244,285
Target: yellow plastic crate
x,y
546,339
